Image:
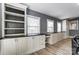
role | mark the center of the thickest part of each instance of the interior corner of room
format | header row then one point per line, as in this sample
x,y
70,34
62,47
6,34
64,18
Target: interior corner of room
x,y
38,28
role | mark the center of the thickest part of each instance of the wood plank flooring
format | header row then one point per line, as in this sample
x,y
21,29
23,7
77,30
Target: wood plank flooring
x,y
62,47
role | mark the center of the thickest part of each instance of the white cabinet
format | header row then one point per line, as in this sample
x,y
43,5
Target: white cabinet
x,y
29,45
13,20
16,46
22,45
42,42
54,38
35,43
8,47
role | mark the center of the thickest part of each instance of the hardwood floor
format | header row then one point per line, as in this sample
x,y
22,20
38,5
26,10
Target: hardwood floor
x,y
60,48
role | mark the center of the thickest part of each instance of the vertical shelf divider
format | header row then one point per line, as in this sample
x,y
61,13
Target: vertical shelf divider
x,y
3,18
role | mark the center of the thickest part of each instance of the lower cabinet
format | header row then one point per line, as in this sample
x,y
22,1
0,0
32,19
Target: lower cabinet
x,y
8,47
29,45
35,43
22,45
54,38
42,42
38,43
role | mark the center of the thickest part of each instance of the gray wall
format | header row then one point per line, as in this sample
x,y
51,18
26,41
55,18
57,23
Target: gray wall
x,y
0,21
0,26
73,32
43,21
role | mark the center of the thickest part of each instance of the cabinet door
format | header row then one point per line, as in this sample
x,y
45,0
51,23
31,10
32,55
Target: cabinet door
x,y
36,43
49,40
42,42
24,45
21,45
8,47
52,39
29,44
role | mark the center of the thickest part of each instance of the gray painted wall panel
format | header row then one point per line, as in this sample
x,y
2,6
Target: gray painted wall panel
x,y
73,32
43,21
0,26
55,26
0,21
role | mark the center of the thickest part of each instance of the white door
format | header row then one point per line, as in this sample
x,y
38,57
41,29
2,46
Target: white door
x,y
8,47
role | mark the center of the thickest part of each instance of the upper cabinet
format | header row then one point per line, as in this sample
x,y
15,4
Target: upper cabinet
x,y
13,19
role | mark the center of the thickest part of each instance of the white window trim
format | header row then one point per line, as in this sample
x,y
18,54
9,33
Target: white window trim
x,y
73,22
64,25
33,26
50,27
57,27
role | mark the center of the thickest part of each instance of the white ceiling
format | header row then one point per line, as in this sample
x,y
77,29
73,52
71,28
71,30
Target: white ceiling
x,y
60,10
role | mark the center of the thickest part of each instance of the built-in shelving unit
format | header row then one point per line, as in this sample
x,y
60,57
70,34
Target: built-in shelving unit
x,y
14,34
13,28
14,20
14,14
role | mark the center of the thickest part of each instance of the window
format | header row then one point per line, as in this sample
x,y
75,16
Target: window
x,y
50,25
33,25
64,25
73,25
58,26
